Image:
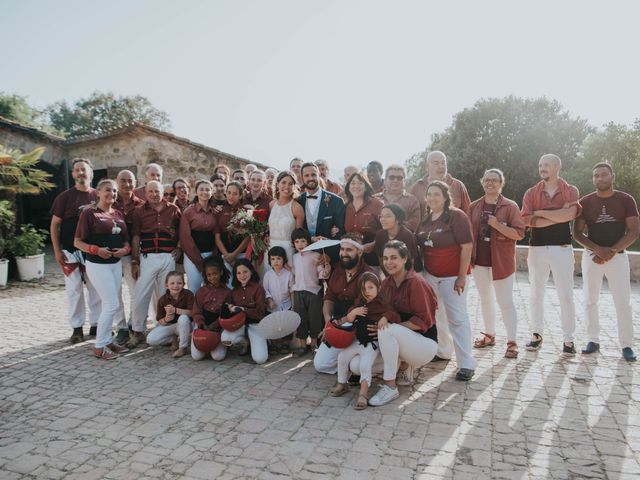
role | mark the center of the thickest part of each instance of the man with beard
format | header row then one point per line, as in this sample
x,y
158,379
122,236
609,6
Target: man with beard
x,y
341,293
374,174
548,208
155,236
611,218
437,170
323,211
152,172
126,202
65,213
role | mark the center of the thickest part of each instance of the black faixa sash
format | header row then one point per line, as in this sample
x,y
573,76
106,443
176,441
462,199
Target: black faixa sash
x,y
111,241
204,240
431,333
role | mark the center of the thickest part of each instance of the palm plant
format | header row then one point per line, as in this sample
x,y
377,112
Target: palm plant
x,y
19,174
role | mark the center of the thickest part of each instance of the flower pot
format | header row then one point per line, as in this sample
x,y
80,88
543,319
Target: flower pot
x,y
4,272
31,267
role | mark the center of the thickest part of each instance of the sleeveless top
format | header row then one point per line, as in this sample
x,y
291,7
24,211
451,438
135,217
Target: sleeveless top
x,y
281,222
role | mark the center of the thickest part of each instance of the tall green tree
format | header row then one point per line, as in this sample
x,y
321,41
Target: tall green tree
x,y
103,111
17,108
509,133
618,145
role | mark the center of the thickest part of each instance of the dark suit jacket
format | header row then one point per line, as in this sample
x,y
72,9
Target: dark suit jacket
x,y
330,214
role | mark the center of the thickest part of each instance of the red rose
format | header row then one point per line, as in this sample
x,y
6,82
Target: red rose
x,y
261,215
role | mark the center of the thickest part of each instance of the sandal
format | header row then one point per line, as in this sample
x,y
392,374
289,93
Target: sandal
x,y
512,350
339,389
360,404
486,340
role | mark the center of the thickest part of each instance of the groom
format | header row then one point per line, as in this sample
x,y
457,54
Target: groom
x,y
323,211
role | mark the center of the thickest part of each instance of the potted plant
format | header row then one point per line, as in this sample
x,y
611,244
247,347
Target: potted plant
x,y
7,227
28,248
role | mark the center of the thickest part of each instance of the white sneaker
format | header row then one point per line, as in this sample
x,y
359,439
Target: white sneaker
x,y
405,377
383,396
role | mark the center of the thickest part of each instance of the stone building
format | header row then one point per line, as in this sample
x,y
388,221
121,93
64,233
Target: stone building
x,y
131,146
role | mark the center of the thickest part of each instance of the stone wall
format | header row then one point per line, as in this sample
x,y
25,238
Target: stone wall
x,y
26,141
135,151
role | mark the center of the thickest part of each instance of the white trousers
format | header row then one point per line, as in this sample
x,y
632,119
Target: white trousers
x,y
503,291
76,296
270,329
154,268
194,275
131,284
217,353
400,343
377,367
326,359
107,278
165,333
235,338
618,275
453,321
367,356
559,261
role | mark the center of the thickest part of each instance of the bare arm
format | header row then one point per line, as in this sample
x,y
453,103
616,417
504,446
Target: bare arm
x,y
561,215
54,229
536,222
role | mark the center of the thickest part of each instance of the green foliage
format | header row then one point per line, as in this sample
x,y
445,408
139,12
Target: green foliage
x,y
617,145
7,225
511,134
30,241
103,111
19,174
16,108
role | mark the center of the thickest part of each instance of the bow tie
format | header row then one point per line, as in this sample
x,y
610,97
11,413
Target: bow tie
x,y
312,196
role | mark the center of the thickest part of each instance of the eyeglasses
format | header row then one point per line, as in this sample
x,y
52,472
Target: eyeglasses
x,y
396,178
491,180
169,195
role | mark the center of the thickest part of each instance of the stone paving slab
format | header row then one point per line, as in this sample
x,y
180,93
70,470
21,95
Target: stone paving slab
x,y
64,414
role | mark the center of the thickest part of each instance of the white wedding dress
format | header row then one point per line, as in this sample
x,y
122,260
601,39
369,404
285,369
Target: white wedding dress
x,y
281,224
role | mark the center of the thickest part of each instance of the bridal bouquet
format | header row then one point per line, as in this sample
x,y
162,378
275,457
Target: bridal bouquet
x,y
254,224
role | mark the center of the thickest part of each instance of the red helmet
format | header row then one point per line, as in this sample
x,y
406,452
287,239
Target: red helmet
x,y
338,337
234,322
205,341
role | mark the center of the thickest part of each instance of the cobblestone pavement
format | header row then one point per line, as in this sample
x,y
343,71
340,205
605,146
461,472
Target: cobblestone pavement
x,y
64,414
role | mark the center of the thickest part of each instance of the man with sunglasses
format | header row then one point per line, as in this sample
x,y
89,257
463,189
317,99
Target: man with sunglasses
x,y
394,192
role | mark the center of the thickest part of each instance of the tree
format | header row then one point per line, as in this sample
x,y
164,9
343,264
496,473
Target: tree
x,y
104,111
618,145
16,108
511,134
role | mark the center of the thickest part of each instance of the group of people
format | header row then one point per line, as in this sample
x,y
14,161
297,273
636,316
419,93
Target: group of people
x,y
386,297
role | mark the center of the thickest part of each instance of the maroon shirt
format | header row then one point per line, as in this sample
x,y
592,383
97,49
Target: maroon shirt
x,y
68,206
197,231
149,220
414,297
141,193
606,216
409,203
183,302
209,298
103,229
126,206
262,202
252,298
365,220
228,239
342,292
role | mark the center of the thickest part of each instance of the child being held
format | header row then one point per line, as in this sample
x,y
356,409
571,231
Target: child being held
x,y
308,268
370,313
173,316
209,299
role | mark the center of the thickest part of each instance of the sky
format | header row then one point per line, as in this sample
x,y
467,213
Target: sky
x,y
347,81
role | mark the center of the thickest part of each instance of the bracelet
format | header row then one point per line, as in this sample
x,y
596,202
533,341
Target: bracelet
x,y
93,249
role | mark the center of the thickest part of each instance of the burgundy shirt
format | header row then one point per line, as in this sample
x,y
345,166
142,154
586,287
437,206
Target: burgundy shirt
x,y
228,239
414,296
459,195
365,220
262,202
68,206
103,229
183,302
127,206
252,298
211,299
341,290
204,223
149,220
409,203
181,205
141,193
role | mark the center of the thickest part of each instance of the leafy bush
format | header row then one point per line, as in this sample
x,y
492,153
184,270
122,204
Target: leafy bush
x,y
30,241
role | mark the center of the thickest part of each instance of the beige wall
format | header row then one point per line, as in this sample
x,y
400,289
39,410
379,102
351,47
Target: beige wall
x,y
24,141
136,151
